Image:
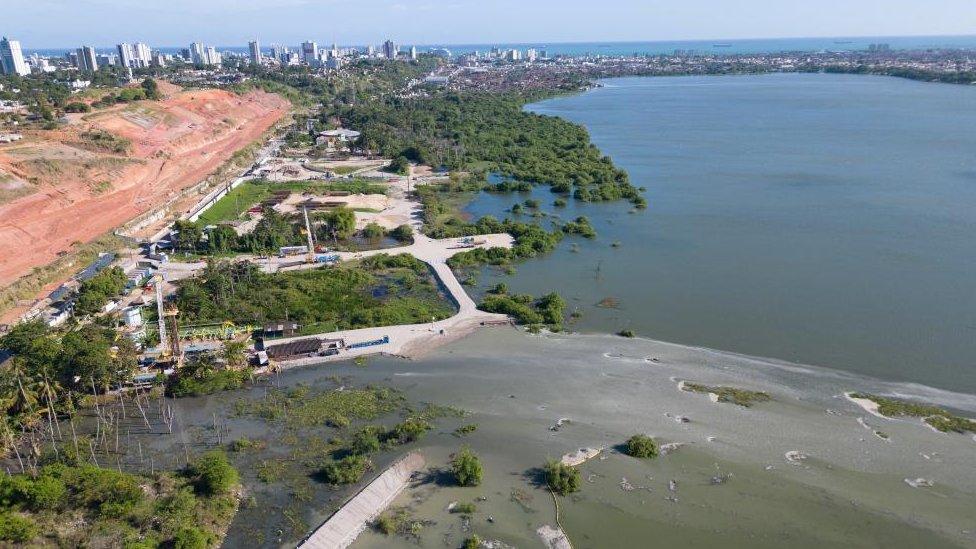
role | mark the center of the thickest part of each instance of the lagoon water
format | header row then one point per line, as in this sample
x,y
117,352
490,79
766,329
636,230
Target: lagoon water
x,y
820,219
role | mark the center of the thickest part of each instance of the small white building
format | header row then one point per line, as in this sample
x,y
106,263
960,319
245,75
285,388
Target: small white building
x,y
336,137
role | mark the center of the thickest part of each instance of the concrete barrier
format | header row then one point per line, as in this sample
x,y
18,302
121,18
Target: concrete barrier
x,y
347,523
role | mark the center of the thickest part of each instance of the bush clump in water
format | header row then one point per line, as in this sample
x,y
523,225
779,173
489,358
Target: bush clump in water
x,y
466,468
562,479
641,446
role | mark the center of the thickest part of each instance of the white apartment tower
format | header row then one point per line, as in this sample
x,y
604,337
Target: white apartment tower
x,y
197,54
12,58
126,55
142,54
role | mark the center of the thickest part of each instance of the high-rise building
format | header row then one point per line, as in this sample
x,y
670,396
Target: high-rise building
x,y
211,56
310,52
279,53
255,50
197,54
142,54
413,53
390,49
12,58
126,55
87,60
370,51
158,59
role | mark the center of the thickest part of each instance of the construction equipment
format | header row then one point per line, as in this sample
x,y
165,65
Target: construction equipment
x,y
169,337
310,257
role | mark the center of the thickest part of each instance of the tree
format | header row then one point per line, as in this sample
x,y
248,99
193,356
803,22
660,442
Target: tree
x,y
641,446
338,223
188,235
399,165
213,474
466,467
562,479
365,442
234,354
151,89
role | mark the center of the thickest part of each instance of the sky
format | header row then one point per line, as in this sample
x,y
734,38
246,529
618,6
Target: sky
x,y
69,23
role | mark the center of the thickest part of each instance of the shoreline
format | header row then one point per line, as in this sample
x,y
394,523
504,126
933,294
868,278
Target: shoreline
x,y
425,342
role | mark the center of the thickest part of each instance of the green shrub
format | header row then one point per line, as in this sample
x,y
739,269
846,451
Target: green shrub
x,y
474,542
641,446
562,479
190,538
46,493
16,528
212,474
403,233
374,231
466,468
410,430
347,470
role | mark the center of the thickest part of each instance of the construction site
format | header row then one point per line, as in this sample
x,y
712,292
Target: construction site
x,y
107,168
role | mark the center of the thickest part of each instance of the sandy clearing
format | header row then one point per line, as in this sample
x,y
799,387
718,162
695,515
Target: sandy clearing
x,y
867,405
175,144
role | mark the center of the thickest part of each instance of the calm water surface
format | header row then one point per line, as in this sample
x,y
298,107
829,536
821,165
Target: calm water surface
x,y
822,219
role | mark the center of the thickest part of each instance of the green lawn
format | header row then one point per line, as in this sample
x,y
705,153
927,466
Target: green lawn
x,y
236,202
253,192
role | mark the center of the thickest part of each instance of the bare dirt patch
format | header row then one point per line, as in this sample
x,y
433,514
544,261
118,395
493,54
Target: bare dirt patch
x,y
80,192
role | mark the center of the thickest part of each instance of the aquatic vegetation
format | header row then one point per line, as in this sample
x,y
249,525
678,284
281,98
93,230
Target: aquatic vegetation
x,y
302,407
474,542
641,446
581,226
733,395
626,333
270,470
608,303
400,521
465,430
562,479
466,467
347,470
464,508
934,416
547,309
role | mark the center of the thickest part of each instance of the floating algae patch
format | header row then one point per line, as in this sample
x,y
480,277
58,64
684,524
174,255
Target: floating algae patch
x,y
733,395
935,417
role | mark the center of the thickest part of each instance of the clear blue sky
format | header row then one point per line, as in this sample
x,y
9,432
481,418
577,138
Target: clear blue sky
x,y
66,23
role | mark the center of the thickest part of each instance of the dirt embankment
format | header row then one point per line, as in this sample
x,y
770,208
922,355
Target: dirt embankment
x,y
108,167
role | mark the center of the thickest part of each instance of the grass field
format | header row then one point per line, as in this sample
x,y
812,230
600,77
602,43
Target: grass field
x,y
250,193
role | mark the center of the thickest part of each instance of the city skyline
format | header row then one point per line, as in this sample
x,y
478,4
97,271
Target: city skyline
x,y
105,22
